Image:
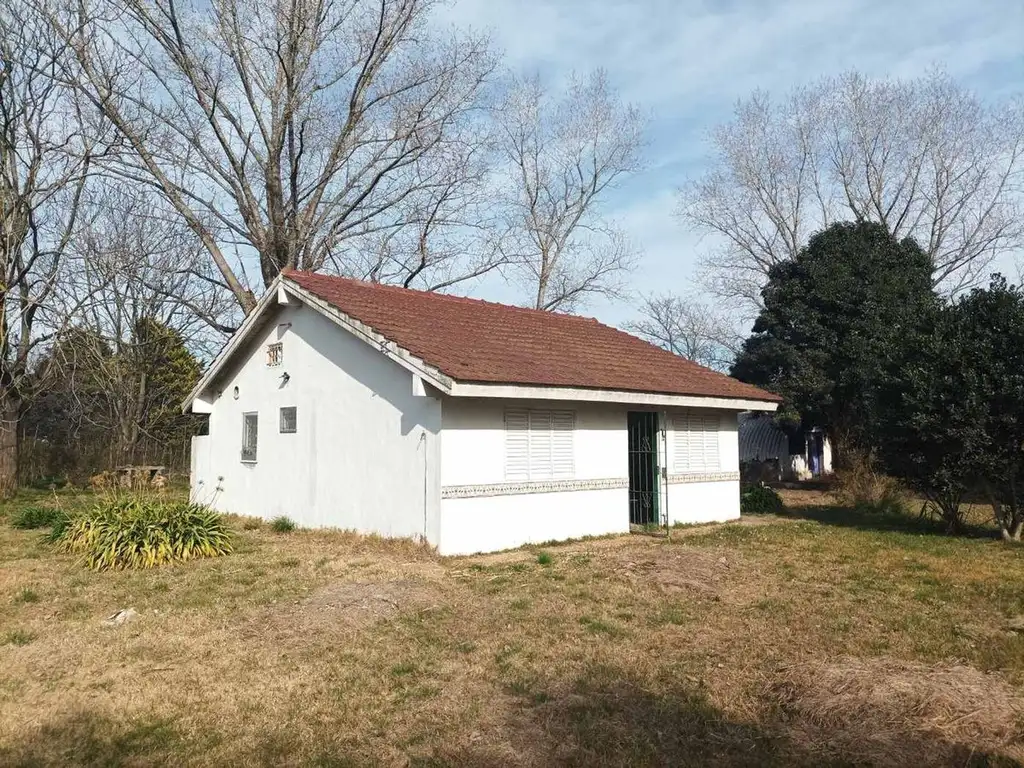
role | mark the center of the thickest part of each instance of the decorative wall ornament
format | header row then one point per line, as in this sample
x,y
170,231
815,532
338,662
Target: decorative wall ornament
x,y
562,486
702,477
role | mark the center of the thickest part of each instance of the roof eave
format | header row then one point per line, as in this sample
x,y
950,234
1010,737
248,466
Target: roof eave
x,y
390,349
539,392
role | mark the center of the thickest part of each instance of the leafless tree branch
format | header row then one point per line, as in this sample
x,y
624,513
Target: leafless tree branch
x,y
924,157
562,156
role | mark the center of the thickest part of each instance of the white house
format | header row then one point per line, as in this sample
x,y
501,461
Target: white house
x,y
475,426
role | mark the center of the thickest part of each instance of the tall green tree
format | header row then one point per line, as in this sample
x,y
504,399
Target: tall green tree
x,y
163,372
955,419
837,321
927,423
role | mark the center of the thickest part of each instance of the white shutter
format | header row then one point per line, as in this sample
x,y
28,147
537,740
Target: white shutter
x,y
695,443
711,462
680,447
517,445
563,463
539,445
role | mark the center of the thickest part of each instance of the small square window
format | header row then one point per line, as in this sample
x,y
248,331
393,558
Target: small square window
x,y
289,420
250,429
275,354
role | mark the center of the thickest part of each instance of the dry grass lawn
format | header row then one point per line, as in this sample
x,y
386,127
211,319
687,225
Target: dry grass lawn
x,y
819,638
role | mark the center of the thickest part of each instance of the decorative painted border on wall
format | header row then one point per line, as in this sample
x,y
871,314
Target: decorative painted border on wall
x,y
702,477
561,486
538,486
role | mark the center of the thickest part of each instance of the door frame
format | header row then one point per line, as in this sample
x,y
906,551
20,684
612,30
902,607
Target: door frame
x,y
647,506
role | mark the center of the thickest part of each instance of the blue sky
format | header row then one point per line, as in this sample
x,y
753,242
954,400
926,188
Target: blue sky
x,y
686,62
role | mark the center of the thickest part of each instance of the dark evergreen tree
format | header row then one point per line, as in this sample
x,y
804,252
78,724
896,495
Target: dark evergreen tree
x,y
837,322
955,419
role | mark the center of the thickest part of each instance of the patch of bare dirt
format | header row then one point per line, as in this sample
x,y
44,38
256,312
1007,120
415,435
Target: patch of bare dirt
x,y
893,713
346,606
678,569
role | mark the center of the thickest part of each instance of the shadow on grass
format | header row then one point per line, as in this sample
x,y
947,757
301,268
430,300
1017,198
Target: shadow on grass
x,y
888,522
84,739
604,719
610,720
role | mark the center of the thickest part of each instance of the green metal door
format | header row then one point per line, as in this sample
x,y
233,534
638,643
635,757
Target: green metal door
x,y
644,485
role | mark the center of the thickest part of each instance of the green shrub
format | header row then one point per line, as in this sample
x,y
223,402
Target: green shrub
x,y
138,532
282,524
58,527
544,558
761,500
35,517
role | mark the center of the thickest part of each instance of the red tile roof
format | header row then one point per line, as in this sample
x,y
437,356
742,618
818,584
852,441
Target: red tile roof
x,y
471,340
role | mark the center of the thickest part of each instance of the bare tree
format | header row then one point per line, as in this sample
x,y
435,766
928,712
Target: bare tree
x,y
924,157
562,156
45,160
447,233
689,328
288,130
136,260
150,298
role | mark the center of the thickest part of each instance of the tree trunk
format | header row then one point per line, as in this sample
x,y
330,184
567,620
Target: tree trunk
x,y
8,443
1012,533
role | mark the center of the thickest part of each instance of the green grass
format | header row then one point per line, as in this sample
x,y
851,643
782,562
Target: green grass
x,y
600,627
26,595
544,558
32,517
17,637
282,524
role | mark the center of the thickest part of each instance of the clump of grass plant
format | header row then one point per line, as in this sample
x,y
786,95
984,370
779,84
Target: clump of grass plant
x,y
282,524
17,637
139,532
27,595
28,518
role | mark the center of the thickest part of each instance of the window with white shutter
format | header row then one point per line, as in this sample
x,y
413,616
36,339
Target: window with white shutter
x,y
695,443
539,445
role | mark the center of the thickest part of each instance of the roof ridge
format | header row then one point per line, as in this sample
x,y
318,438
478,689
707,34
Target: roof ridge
x,y
448,296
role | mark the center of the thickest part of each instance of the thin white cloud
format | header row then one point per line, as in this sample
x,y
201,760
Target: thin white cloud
x,y
688,62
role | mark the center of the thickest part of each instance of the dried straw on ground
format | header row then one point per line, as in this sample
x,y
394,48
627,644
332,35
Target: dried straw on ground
x,y
888,712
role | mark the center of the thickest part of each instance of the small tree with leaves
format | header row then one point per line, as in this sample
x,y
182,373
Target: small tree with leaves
x,y
927,425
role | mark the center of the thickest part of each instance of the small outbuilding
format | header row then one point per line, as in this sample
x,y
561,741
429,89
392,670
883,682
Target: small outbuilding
x,y
767,452
471,425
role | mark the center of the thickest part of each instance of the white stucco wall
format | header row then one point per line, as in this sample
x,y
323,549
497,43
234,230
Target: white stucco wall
x,y
473,454
482,512
713,501
365,455
494,523
707,502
